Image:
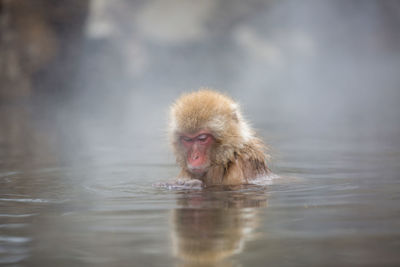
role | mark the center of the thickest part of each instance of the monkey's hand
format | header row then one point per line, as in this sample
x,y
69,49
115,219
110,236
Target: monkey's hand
x,y
191,183
182,184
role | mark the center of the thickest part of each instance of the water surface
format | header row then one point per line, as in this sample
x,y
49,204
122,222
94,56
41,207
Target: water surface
x,y
335,203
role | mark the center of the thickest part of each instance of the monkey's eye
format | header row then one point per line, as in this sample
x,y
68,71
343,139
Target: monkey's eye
x,y
202,137
186,139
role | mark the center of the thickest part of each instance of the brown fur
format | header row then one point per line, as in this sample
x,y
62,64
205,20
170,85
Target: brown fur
x,y
237,156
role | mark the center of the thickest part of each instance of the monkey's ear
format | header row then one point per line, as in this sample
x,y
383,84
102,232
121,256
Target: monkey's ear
x,y
235,116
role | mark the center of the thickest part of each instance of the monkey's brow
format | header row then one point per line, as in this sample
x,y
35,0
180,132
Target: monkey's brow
x,y
232,135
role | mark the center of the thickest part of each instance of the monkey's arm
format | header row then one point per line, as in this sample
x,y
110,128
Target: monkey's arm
x,y
184,175
242,171
234,174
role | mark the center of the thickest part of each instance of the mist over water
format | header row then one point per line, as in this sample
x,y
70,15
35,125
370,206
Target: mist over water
x,y
314,68
84,94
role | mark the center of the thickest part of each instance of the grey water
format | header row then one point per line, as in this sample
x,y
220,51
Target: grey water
x,y
334,202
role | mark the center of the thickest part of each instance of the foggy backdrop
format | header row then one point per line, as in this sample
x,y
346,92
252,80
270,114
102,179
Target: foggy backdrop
x,y
91,81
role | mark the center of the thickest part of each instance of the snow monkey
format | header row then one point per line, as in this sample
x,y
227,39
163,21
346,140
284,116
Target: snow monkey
x,y
212,142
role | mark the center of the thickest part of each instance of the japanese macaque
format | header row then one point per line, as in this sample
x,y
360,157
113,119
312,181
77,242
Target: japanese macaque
x,y
212,142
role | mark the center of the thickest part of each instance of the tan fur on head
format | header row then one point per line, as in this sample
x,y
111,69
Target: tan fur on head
x,y
207,109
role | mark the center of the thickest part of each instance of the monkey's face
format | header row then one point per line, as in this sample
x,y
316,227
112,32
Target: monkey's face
x,y
197,151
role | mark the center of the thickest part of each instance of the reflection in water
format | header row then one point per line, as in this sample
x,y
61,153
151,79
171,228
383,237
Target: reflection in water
x,y
211,225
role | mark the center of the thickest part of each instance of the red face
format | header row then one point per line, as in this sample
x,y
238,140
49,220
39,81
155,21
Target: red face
x,y
197,148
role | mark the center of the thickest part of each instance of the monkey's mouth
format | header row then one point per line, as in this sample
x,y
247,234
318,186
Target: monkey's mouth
x,y
197,169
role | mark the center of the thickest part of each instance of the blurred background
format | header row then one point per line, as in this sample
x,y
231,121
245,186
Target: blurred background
x,y
80,77
85,87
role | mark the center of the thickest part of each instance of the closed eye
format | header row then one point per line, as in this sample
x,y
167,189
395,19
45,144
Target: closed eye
x,y
186,139
202,137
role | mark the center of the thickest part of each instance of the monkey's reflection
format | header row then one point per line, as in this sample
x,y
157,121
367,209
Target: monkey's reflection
x,y
213,224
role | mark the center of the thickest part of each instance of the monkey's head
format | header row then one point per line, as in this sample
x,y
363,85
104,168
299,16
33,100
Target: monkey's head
x,y
206,128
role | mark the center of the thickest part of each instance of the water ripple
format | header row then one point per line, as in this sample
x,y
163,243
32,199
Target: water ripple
x,y
18,215
13,225
32,200
15,239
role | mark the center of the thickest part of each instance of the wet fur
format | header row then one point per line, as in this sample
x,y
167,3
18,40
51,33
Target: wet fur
x,y
237,156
